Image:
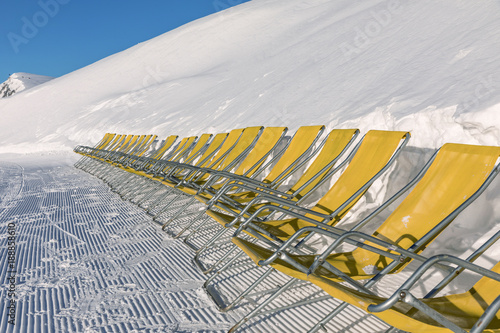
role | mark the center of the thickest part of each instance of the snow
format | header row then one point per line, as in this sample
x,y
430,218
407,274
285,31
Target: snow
x,y
88,261
429,67
18,82
100,259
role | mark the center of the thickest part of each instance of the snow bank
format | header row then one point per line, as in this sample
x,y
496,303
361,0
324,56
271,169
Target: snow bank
x,y
429,67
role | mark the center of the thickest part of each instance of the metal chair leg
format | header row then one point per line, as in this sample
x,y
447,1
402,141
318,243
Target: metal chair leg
x,y
242,295
194,232
223,268
322,322
178,212
206,270
256,311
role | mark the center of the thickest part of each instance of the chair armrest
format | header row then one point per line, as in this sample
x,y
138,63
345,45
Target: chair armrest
x,y
408,284
487,316
287,211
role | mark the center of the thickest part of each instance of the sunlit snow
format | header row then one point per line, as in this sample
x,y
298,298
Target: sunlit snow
x,y
91,262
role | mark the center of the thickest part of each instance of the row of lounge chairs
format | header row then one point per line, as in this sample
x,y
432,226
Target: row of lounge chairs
x,y
256,186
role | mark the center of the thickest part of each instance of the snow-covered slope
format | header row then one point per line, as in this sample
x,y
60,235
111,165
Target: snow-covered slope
x,y
18,82
431,67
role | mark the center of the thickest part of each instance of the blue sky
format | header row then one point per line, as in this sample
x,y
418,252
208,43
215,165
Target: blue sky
x,y
55,37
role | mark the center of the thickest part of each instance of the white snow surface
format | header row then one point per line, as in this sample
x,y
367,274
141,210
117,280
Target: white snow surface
x,y
18,82
88,261
428,67
431,67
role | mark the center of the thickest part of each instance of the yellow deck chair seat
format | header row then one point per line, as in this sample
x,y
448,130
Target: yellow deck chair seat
x,y
456,173
344,262
462,309
301,142
373,154
335,144
266,142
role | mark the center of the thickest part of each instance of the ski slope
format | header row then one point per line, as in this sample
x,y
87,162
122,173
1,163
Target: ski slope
x,y
89,262
429,67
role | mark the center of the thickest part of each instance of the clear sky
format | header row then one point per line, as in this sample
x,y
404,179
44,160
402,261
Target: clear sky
x,y
55,37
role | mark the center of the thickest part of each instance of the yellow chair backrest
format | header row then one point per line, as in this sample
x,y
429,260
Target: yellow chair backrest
x,y
456,173
229,142
304,137
181,148
246,139
143,146
108,137
198,147
216,145
375,151
129,139
115,144
268,139
136,140
158,153
167,143
335,143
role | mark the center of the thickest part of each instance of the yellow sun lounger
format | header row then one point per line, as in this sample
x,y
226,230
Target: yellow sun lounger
x,y
374,155
453,178
318,172
140,173
288,161
474,311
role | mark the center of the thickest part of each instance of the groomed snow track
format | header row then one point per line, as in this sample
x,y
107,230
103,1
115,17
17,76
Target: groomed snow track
x,y
88,261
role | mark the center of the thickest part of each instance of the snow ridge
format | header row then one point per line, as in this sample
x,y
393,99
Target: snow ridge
x,y
18,82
